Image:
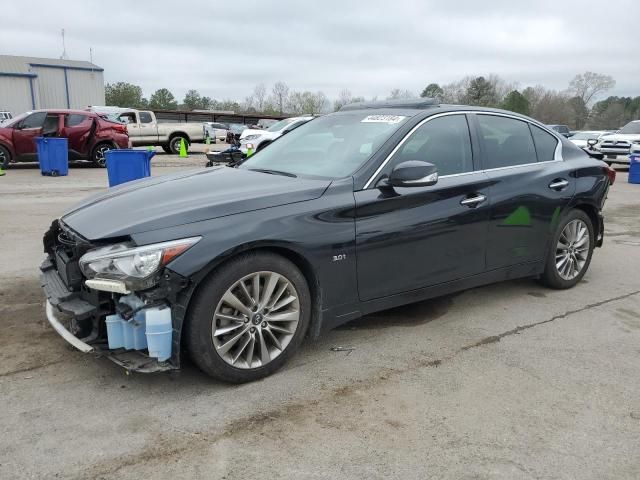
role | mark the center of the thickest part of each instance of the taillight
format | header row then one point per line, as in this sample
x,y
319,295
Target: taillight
x,y
611,173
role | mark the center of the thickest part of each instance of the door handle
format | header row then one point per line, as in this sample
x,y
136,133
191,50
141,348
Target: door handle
x,y
558,184
474,201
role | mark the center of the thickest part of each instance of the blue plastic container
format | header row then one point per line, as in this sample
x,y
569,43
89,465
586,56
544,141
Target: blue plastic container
x,y
133,332
53,156
634,168
125,165
159,332
115,331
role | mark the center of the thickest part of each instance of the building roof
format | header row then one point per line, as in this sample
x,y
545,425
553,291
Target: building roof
x,y
23,65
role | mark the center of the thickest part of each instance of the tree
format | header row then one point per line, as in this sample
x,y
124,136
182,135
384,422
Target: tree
x,y
398,94
259,96
280,92
307,102
193,100
433,90
344,98
580,112
516,102
589,84
163,99
481,92
123,94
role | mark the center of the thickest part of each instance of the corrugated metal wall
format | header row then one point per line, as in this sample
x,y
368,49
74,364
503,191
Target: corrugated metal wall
x,y
51,87
85,88
15,94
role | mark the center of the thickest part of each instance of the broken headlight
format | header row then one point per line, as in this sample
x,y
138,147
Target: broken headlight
x,y
134,266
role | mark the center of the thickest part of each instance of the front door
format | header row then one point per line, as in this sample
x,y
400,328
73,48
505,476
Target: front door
x,y
148,128
421,236
529,190
25,132
78,129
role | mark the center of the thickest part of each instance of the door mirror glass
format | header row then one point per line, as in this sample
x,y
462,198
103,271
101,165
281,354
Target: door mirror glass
x,y
591,142
413,173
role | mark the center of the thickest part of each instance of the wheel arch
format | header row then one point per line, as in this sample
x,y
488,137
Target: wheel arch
x,y
295,257
594,215
6,146
180,134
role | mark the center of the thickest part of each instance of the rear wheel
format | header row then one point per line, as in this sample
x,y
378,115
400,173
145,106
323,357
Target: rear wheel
x,y
570,252
174,144
99,157
248,318
4,157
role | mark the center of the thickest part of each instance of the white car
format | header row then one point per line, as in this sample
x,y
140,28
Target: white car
x,y
216,131
258,139
620,143
5,116
580,138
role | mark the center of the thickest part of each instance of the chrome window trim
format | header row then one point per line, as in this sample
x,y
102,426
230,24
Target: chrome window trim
x,y
557,153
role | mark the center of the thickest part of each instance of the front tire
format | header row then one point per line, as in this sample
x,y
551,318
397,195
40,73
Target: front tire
x,y
570,251
5,157
248,318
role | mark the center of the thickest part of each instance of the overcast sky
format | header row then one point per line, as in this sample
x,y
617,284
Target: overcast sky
x,y
224,48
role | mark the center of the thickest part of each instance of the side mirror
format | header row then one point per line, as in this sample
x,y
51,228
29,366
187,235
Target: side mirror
x,y
413,173
591,142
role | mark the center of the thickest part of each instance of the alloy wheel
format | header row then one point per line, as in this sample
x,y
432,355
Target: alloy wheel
x,y
100,156
255,320
572,250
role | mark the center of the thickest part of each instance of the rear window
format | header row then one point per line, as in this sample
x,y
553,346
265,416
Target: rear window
x,y
74,119
145,117
545,144
507,142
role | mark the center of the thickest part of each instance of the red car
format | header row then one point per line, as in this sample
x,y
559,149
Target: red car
x,y
90,135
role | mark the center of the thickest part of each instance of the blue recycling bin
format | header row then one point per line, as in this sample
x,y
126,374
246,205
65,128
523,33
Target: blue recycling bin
x,y
125,165
634,168
53,156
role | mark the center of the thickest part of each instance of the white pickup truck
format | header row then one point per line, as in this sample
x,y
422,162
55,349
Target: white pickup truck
x,y
145,130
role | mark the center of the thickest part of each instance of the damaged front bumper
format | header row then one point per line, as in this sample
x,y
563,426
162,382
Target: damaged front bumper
x,y
78,317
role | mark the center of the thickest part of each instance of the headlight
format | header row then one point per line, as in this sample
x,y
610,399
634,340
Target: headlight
x,y
135,266
251,137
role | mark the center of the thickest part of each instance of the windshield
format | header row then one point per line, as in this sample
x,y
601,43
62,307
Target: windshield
x,y
333,146
276,127
631,128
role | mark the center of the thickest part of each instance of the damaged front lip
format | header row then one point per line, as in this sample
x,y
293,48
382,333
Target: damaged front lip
x,y
64,333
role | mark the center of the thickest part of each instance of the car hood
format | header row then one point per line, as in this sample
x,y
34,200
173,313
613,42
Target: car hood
x,y
185,197
629,137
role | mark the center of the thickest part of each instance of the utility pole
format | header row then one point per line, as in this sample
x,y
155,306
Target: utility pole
x,y
64,48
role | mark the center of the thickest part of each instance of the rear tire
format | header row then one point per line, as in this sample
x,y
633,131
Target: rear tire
x,y
246,341
570,251
98,156
174,144
4,158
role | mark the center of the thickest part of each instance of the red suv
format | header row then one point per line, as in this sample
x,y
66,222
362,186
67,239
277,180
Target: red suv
x,y
89,134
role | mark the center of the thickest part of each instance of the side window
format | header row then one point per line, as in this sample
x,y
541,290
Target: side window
x,y
444,142
545,144
506,141
35,120
74,119
127,118
145,117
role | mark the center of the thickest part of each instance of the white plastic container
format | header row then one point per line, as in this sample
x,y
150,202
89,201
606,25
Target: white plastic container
x,y
159,332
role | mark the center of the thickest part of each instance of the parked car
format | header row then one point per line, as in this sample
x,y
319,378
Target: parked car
x,y
258,139
215,131
5,116
561,129
89,135
266,122
375,206
234,132
620,143
580,139
146,130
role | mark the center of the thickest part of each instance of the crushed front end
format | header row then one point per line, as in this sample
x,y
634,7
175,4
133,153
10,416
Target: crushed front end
x,y
108,313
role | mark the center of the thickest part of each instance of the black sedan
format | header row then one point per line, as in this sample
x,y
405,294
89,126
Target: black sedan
x,y
375,206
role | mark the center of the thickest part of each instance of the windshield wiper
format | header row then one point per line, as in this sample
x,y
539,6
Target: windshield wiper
x,y
273,172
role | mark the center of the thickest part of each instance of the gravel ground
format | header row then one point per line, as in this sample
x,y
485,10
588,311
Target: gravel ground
x,y
508,381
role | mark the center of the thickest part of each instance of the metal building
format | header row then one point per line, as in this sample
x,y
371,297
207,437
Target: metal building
x,y
28,83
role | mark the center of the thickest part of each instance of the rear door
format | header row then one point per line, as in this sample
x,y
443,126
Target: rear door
x,y
26,131
530,187
421,236
78,129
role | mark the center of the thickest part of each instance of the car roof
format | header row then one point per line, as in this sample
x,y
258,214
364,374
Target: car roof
x,y
65,110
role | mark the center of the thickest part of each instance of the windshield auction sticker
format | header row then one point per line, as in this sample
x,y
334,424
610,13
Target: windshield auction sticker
x,y
383,119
